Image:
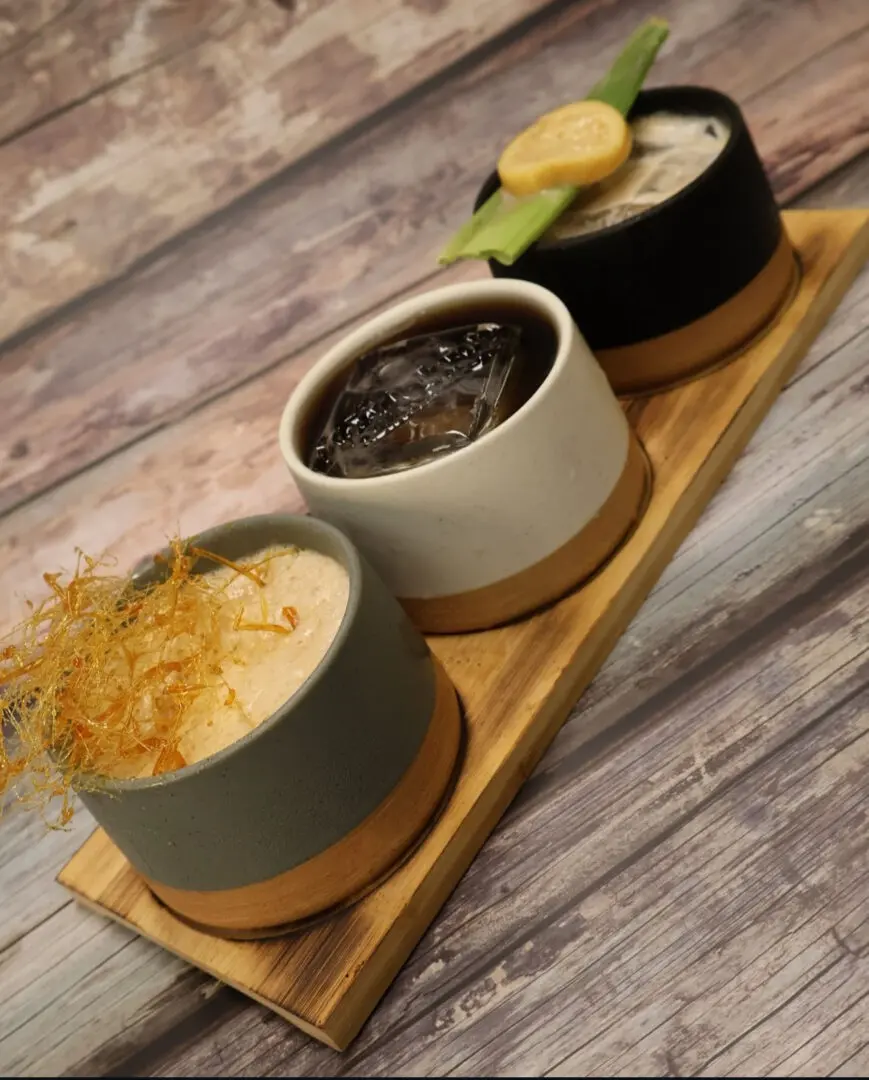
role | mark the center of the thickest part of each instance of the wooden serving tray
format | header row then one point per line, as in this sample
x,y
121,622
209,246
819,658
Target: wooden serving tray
x,y
517,683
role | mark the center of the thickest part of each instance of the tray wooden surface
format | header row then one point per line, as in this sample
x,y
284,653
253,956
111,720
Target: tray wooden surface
x,y
517,683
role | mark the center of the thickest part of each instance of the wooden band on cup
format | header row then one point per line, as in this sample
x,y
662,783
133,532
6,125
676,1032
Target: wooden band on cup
x,y
663,361
344,871
552,577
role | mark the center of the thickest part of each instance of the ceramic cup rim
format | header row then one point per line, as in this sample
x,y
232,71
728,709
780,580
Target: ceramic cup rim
x,y
350,560
374,330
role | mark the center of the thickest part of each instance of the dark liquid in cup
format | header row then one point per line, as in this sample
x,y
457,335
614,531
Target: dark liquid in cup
x,y
433,387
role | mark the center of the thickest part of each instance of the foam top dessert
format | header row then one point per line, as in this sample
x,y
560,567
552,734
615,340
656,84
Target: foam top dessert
x,y
670,150
273,634
109,677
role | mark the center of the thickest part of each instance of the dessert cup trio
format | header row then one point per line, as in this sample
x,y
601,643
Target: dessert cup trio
x,y
466,461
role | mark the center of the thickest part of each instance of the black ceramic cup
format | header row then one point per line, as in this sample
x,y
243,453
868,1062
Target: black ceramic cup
x,y
685,284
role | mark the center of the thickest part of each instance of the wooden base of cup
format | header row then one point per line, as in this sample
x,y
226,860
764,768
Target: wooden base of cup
x,y
662,362
346,870
566,568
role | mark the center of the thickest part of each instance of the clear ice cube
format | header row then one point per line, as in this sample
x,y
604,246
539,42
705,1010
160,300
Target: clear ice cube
x,y
676,171
409,402
663,131
588,221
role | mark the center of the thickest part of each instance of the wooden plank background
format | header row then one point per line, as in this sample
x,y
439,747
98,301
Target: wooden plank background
x,y
196,196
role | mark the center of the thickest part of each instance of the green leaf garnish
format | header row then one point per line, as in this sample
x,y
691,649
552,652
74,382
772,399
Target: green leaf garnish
x,y
504,226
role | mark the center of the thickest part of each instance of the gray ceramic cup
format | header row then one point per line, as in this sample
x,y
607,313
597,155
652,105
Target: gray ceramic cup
x,y
322,799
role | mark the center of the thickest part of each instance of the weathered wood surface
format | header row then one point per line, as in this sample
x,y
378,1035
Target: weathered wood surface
x,y
360,221
689,895
160,112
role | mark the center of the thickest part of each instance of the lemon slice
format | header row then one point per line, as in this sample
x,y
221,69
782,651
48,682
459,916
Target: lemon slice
x,y
575,145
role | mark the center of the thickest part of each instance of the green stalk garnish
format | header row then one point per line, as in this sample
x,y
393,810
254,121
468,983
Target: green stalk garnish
x,y
505,226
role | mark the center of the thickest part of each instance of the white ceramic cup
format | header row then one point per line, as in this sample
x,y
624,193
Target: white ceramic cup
x,y
496,529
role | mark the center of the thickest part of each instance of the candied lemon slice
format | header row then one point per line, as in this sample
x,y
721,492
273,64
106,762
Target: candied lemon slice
x,y
575,145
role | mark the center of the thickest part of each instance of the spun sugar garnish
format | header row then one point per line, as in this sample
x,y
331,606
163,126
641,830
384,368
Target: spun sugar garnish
x,y
102,675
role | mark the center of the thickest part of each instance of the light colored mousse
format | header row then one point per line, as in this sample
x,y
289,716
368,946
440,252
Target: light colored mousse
x,y
670,151
265,668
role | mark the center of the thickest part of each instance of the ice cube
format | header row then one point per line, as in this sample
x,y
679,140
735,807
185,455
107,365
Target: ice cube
x,y
583,221
417,399
677,169
664,131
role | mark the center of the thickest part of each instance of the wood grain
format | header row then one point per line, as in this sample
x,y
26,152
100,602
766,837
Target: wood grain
x,y
91,46
695,731
183,479
769,551
587,821
343,232
776,527
746,620
179,130
845,187
692,436
22,23
770,893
